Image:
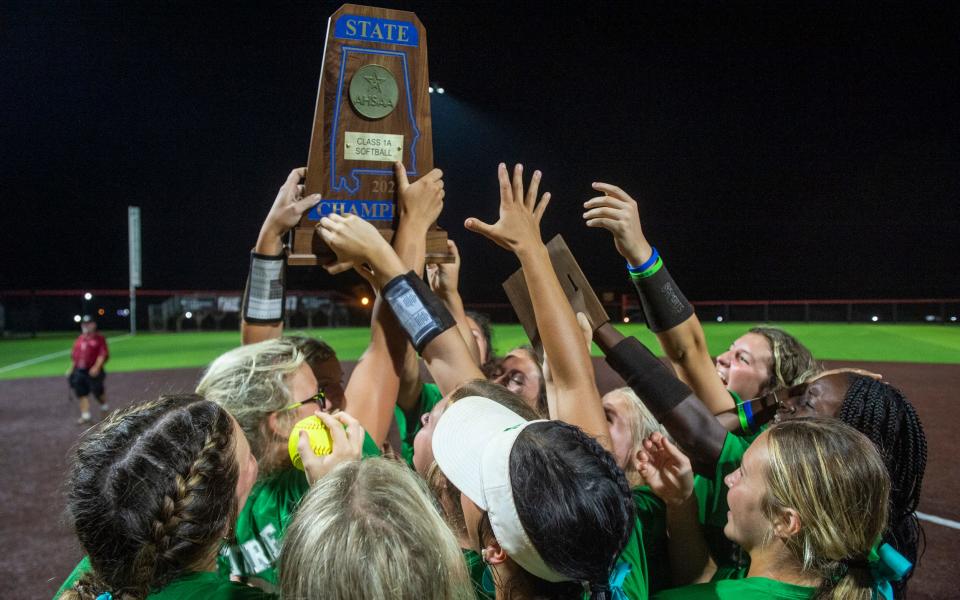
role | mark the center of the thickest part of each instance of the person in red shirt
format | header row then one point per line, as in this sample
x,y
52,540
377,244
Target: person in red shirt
x,y
87,374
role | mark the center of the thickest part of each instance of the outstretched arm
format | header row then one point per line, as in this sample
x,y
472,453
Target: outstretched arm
x,y
372,390
375,382
441,346
518,230
267,261
672,403
444,279
681,336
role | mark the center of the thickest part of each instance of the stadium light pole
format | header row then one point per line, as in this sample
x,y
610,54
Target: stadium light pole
x,y
133,229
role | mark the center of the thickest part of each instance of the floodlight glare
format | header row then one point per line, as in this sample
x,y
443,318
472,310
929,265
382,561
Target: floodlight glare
x,y
719,319
88,296
189,315
440,90
364,301
430,89
874,318
76,318
626,319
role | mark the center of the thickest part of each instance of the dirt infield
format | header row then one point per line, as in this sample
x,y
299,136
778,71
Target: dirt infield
x,y
37,431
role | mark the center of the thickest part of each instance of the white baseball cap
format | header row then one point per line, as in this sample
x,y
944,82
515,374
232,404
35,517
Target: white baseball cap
x,y
472,444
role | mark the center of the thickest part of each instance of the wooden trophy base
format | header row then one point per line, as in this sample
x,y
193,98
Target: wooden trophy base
x,y
308,248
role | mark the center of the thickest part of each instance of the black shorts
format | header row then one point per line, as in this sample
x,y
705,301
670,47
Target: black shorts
x,y
83,384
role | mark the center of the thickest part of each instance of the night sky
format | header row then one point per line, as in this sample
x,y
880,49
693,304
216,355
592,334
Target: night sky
x,y
805,152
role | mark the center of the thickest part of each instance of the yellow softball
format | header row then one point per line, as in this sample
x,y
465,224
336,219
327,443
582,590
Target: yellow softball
x,y
320,440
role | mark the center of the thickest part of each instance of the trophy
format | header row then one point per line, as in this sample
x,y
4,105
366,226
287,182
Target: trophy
x,y
373,109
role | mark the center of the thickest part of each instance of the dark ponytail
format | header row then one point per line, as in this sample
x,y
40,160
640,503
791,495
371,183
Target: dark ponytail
x,y
882,413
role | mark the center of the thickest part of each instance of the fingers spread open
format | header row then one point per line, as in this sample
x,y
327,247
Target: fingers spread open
x,y
518,183
478,226
531,198
506,192
542,207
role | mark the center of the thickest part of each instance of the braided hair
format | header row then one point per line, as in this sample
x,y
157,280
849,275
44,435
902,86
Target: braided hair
x,y
881,412
151,494
575,505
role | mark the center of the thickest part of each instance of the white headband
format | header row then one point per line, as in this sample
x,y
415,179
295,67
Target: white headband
x,y
502,510
472,444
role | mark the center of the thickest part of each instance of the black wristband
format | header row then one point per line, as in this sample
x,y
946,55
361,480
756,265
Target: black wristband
x,y
652,381
421,314
664,305
264,296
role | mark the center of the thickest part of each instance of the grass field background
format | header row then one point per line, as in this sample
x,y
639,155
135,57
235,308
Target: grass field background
x,y
48,354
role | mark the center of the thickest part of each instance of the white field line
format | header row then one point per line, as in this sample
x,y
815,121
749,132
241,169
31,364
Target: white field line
x,y
938,520
52,355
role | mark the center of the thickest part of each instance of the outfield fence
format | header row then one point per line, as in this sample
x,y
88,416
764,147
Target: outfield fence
x,y
27,312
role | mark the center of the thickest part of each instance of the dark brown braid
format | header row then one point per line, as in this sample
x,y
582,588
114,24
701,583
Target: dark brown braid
x,y
882,413
152,492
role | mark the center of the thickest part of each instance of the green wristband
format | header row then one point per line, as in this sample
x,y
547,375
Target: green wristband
x,y
650,272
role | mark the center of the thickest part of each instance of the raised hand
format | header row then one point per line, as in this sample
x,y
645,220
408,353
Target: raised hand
x,y
354,240
347,435
422,201
666,469
617,212
519,225
443,278
286,211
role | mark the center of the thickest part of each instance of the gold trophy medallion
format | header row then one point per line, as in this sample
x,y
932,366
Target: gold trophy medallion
x,y
373,92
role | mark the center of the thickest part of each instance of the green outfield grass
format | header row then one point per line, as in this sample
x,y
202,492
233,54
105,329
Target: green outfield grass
x,y
48,354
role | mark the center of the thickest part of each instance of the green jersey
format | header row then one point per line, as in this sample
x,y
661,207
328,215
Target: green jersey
x,y
192,586
712,508
652,514
630,573
751,588
409,423
263,520
477,569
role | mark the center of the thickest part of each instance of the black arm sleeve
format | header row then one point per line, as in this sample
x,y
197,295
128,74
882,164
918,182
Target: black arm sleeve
x,y
689,422
664,305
